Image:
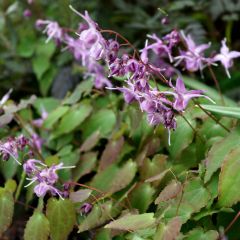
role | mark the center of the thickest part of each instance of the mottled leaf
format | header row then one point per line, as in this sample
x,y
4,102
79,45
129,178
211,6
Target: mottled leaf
x,y
90,142
169,231
133,222
170,191
111,152
80,195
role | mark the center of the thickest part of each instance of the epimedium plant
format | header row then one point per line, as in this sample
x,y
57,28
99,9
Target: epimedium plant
x,y
93,163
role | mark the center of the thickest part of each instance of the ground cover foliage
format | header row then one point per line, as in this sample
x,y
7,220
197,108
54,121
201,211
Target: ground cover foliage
x,y
127,181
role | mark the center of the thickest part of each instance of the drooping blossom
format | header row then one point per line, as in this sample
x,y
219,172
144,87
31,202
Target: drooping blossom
x,y
159,47
27,13
5,98
36,142
226,57
182,96
86,208
39,121
44,177
193,57
12,146
52,29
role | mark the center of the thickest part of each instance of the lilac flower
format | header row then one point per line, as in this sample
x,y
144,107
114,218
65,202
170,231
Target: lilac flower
x,y
5,98
172,38
31,166
36,142
39,122
45,177
194,56
52,29
91,37
183,96
226,57
159,47
11,147
86,208
27,13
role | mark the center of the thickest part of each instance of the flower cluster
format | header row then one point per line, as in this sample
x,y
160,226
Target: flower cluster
x,y
45,177
154,60
12,146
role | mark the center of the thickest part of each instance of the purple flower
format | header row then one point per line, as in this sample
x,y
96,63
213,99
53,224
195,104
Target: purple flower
x,y
52,29
27,13
159,47
30,166
183,96
39,122
37,142
5,98
226,57
194,56
86,208
42,188
45,177
11,147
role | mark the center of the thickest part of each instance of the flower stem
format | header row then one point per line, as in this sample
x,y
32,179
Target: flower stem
x,y
216,83
19,188
212,117
40,204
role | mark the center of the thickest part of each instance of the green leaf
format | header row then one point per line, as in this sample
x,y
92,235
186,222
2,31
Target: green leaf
x,y
86,165
200,234
40,66
218,152
54,116
232,112
41,61
103,120
10,185
46,80
61,216
132,222
37,227
9,168
49,104
26,46
73,118
229,179
211,92
141,197
84,87
123,177
183,131
114,178
6,209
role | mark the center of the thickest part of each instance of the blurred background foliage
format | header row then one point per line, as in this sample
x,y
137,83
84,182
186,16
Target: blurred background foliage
x,y
31,66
